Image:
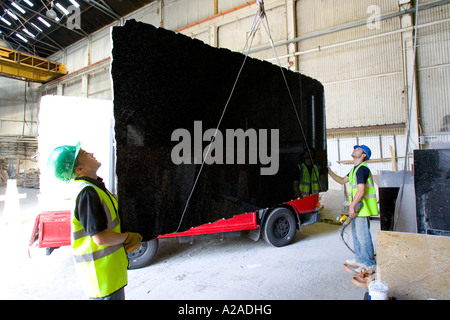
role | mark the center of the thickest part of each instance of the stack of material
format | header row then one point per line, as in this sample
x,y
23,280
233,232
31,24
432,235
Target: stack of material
x,y
163,82
3,167
30,178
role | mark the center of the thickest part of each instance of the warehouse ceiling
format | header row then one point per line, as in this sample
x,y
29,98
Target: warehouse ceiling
x,y
43,27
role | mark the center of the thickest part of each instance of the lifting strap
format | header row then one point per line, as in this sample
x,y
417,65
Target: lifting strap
x,y
257,21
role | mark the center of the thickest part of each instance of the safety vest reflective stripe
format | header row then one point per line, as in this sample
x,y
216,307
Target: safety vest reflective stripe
x,y
366,196
82,233
88,257
368,185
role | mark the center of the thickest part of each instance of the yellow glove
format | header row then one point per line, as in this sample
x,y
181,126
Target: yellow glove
x,y
133,241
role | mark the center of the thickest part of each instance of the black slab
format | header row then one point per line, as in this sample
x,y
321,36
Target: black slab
x,y
164,81
388,199
432,185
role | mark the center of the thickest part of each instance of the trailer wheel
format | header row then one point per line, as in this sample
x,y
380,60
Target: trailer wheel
x,y
143,256
279,227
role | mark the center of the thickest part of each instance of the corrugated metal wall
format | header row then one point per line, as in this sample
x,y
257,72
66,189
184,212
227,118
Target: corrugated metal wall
x,y
360,87
364,76
362,68
234,34
178,14
433,56
316,15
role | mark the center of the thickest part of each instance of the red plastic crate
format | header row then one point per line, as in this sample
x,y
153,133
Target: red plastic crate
x,y
52,229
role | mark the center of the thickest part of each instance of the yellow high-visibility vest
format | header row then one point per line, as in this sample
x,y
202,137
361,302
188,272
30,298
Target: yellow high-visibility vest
x,y
370,206
309,181
102,269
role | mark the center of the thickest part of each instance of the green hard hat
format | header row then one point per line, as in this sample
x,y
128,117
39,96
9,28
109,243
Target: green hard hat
x,y
62,161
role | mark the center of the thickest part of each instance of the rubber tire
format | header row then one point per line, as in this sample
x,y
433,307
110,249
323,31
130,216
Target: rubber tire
x,y
144,255
279,227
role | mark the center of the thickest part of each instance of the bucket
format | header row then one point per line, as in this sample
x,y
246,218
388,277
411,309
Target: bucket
x,y
378,291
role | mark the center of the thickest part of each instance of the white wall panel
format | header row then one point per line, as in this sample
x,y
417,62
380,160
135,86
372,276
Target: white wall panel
x,y
203,36
77,57
385,143
101,46
234,35
230,4
73,88
100,85
179,14
150,18
149,14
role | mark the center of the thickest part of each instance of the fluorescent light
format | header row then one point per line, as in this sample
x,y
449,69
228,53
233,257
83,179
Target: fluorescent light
x,y
74,3
28,2
28,32
5,21
44,22
11,14
15,5
60,7
36,27
22,38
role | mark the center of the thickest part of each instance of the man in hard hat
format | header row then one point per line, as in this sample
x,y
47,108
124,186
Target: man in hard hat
x,y
363,205
99,246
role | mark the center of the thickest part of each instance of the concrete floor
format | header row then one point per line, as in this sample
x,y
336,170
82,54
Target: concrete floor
x,y
233,269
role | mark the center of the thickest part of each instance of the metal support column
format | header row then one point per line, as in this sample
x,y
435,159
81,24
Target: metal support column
x,y
409,74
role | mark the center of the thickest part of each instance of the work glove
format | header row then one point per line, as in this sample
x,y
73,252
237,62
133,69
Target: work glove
x,y
133,241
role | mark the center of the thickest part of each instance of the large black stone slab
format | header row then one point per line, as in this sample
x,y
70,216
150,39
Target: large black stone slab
x,y
164,81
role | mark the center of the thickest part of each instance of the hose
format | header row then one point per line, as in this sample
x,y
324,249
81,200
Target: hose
x,y
344,226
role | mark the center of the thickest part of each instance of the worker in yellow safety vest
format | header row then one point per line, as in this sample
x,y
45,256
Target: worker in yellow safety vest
x,y
307,182
363,205
99,247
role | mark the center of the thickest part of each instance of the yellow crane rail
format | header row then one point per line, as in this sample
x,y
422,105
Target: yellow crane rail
x,y
26,67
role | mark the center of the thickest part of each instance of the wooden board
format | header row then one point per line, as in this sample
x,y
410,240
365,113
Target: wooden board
x,y
414,266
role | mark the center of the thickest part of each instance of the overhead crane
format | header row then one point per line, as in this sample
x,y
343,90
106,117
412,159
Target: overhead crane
x,y
26,67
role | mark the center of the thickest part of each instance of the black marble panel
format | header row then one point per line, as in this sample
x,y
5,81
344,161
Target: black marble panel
x,y
163,81
388,199
432,185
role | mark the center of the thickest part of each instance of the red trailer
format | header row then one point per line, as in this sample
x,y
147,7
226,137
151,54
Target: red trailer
x,y
277,226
